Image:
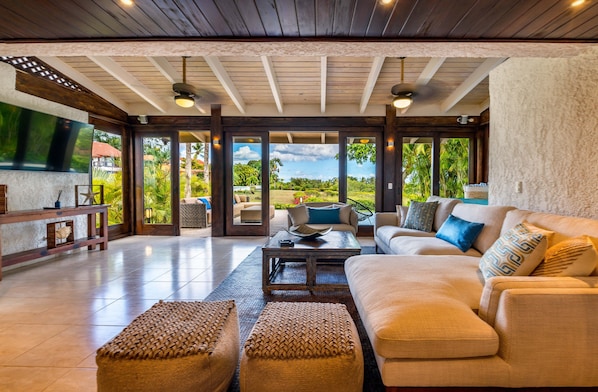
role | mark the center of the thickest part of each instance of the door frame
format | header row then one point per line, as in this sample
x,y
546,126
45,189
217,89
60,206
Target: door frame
x,y
142,227
231,229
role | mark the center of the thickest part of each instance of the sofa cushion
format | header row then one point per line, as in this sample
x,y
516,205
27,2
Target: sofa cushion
x,y
420,216
491,216
406,245
386,233
574,257
564,227
298,215
445,208
325,215
429,314
516,253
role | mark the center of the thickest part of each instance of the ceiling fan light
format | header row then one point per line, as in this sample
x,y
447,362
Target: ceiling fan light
x,y
402,101
184,100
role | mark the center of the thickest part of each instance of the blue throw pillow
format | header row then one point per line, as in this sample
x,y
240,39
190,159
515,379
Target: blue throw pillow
x,y
459,232
205,201
329,216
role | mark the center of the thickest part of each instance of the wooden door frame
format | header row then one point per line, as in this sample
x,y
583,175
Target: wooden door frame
x,y
172,229
254,230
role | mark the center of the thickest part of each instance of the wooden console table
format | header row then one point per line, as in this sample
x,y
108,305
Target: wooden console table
x,y
94,236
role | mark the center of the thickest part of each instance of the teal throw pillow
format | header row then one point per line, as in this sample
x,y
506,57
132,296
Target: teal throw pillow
x,y
329,216
420,216
459,232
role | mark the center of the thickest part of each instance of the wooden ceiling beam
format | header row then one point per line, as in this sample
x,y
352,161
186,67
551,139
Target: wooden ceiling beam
x,y
83,80
119,73
377,64
273,81
470,83
226,82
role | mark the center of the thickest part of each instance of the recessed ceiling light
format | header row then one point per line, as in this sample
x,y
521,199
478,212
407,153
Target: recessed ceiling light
x,y
577,3
128,3
387,2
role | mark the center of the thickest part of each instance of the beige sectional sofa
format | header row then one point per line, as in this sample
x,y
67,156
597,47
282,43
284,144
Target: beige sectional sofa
x,y
435,321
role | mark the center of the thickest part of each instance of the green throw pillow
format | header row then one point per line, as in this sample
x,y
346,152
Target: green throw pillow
x,y
516,253
420,216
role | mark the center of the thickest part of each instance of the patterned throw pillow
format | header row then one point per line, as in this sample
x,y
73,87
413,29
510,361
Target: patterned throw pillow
x,y
420,216
573,257
516,253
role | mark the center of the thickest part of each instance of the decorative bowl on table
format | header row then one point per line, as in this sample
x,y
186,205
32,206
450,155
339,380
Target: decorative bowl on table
x,y
306,231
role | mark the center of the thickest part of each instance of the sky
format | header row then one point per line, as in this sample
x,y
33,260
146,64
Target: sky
x,y
313,161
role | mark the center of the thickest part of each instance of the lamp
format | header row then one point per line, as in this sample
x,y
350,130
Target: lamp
x,y
184,99
403,100
390,143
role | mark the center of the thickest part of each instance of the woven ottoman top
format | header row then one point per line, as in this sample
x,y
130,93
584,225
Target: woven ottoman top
x,y
171,330
301,330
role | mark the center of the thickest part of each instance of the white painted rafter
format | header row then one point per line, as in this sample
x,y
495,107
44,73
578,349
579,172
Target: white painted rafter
x,y
371,83
430,70
226,82
199,136
323,81
83,80
273,81
123,76
470,83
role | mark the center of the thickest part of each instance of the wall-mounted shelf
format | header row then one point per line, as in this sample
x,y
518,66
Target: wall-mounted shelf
x,y
95,235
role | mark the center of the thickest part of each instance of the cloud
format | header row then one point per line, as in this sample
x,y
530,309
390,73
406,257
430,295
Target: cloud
x,y
245,154
304,152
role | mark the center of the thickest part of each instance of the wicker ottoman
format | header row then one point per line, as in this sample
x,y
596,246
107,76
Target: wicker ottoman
x,y
302,346
173,346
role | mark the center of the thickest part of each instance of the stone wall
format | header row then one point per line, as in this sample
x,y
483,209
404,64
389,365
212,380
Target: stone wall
x,y
544,134
29,190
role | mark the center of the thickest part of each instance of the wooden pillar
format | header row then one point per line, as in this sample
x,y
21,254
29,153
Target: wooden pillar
x,y
389,175
218,171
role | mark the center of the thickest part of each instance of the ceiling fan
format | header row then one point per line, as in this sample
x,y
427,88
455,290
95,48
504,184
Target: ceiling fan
x,y
405,93
185,93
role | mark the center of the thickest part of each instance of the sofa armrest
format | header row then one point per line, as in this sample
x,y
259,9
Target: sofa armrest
x,y
545,333
385,219
496,286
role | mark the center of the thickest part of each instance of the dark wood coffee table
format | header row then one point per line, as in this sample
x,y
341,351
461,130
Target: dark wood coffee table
x,y
336,245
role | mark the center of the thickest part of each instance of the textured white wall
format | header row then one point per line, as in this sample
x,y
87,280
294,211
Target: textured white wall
x,y
29,190
544,133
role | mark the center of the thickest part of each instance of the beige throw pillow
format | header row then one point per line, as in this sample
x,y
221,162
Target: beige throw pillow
x,y
344,214
573,257
298,215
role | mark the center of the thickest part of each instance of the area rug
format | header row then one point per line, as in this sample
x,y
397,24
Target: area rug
x,y
244,285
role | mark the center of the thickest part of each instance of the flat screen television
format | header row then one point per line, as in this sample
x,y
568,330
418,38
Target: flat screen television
x,y
31,140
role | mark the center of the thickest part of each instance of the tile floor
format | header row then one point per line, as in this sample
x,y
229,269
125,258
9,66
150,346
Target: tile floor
x,y
55,314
